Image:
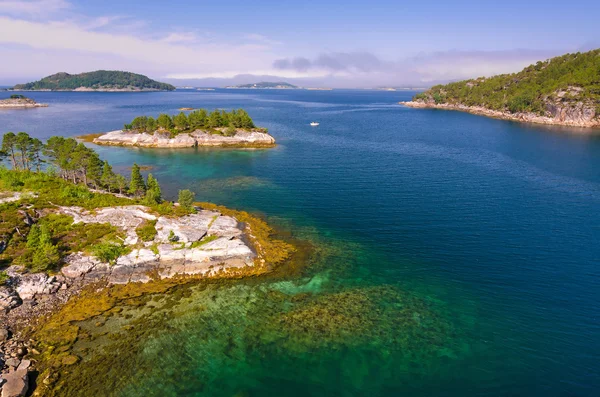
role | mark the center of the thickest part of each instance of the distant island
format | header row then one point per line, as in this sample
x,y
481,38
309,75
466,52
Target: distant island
x,y
20,102
564,91
199,128
266,85
100,80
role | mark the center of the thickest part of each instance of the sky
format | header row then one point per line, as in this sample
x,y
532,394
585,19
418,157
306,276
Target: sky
x,y
388,43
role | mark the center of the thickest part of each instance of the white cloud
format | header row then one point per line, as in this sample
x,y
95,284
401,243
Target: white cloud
x,y
173,53
32,7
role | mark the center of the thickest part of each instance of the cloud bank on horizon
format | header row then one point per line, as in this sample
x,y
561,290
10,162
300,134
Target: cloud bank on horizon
x,y
42,37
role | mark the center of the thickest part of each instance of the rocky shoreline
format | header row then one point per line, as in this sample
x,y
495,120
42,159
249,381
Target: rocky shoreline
x,y
207,243
20,103
243,138
566,116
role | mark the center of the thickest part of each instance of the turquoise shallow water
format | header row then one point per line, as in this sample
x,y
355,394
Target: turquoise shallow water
x,y
486,231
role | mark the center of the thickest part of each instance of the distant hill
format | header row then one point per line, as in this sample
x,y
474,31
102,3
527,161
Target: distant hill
x,y
100,80
266,85
564,90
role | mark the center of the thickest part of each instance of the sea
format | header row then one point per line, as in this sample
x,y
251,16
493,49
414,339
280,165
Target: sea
x,y
447,254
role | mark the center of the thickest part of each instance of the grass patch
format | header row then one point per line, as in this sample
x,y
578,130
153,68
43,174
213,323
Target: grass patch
x,y
147,230
205,240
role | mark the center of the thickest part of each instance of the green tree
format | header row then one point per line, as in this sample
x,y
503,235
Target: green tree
x,y
137,187
121,183
151,125
181,121
34,155
215,119
23,146
153,192
198,119
186,198
9,147
108,178
164,121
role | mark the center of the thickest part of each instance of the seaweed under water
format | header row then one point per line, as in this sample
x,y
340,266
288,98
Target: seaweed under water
x,y
296,331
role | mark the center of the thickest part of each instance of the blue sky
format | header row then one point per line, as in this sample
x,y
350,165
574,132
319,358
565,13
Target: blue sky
x,y
338,43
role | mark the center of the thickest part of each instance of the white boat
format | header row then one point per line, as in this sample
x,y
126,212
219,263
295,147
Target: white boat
x,y
314,124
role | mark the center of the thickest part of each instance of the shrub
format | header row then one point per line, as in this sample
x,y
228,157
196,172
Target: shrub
x,y
3,277
146,231
109,251
173,237
186,198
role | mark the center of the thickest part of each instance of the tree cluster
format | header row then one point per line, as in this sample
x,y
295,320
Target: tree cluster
x,y
198,119
575,76
97,79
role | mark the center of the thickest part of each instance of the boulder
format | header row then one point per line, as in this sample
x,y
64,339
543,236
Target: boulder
x,y
17,383
9,299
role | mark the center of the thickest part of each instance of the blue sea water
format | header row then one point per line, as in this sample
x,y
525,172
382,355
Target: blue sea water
x,y
496,224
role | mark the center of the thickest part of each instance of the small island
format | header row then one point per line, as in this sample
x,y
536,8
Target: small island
x,y
20,102
562,91
266,85
100,80
199,128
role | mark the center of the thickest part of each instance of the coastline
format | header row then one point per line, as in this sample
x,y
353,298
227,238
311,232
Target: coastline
x,y
199,138
562,119
39,310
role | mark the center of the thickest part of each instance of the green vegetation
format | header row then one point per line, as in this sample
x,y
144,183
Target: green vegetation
x,y
205,240
186,198
198,119
109,251
153,192
4,277
17,96
147,230
569,79
60,173
137,186
100,79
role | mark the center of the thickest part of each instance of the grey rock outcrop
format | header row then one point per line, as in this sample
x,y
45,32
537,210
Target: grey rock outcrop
x,y
196,138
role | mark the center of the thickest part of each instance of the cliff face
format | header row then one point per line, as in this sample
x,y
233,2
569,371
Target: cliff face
x,y
197,138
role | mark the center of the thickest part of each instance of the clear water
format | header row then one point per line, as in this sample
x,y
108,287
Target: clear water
x,y
487,232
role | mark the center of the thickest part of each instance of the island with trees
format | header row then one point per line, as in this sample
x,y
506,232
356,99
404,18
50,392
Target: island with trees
x,y
17,101
266,85
564,91
100,80
198,128
76,236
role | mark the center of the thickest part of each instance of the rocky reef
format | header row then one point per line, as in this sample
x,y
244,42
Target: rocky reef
x,y
573,115
241,138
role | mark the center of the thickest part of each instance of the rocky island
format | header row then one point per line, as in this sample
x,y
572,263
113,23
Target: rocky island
x,y
265,85
199,128
67,233
100,80
560,91
20,102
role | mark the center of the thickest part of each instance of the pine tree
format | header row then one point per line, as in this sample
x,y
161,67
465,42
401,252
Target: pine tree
x,y
108,178
186,198
120,183
137,187
9,147
164,121
153,192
